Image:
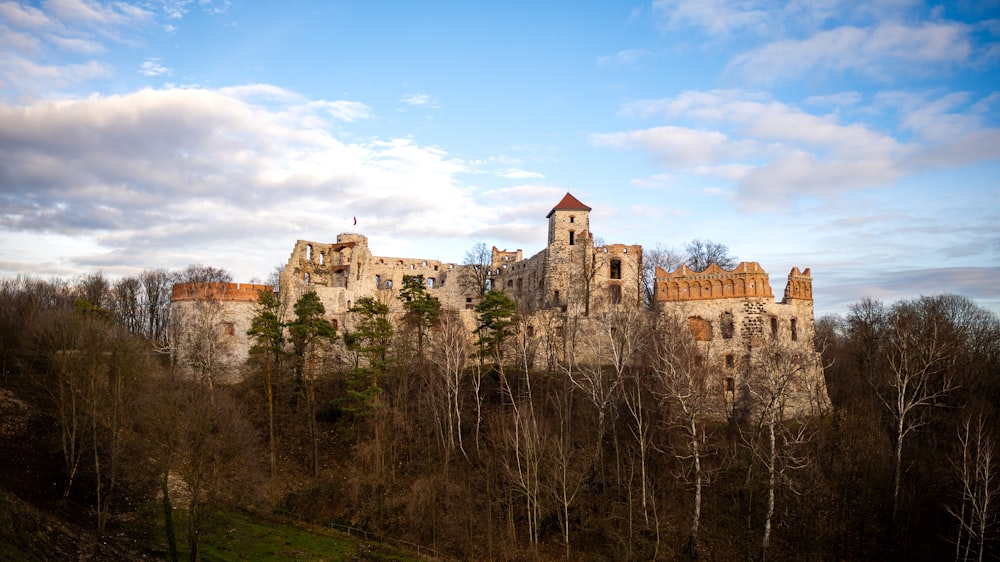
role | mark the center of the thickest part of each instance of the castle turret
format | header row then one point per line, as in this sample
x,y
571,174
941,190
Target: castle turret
x,y
568,221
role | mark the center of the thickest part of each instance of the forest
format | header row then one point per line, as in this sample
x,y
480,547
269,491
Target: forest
x,y
407,426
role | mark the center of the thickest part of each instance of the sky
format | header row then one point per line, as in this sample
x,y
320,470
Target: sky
x,y
860,139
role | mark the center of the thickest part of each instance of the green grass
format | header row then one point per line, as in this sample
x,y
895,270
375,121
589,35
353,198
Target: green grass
x,y
231,536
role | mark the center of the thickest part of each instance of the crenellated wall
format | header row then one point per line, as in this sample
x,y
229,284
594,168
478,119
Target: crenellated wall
x,y
569,287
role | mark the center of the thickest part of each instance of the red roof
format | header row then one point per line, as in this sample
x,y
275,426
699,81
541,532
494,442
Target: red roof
x,y
568,203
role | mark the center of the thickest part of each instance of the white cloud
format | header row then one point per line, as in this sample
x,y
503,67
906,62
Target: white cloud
x,y
775,153
876,53
184,170
627,57
344,110
417,99
519,174
152,67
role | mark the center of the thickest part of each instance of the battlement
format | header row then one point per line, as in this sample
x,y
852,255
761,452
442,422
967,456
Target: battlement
x,y
748,279
799,285
503,256
221,292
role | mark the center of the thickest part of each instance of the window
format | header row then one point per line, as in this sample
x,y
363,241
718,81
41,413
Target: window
x,y
698,360
388,283
306,278
378,281
309,252
531,331
730,361
730,385
322,258
430,282
727,324
795,331
510,283
616,269
333,323
774,327
229,328
615,293
572,219
572,236
701,329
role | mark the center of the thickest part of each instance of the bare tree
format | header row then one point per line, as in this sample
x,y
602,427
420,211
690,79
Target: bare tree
x,y
156,284
653,258
475,274
773,373
450,351
198,273
692,399
918,358
980,489
703,253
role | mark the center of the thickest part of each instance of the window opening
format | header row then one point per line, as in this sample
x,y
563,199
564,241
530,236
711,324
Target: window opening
x,y
728,325
730,361
572,235
616,269
795,331
615,292
774,327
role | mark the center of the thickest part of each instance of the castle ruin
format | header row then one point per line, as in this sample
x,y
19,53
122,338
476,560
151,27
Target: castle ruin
x,y
732,314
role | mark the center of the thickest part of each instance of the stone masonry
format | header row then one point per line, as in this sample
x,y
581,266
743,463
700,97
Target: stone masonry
x,y
732,314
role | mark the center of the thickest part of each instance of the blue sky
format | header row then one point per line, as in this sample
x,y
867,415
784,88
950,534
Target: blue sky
x,y
859,139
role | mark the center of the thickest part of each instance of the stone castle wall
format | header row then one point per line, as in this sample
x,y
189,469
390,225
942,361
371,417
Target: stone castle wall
x,y
209,324
571,286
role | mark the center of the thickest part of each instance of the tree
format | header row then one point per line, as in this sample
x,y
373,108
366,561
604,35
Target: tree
x,y
773,373
682,384
156,285
980,489
449,352
703,253
496,313
918,357
372,334
198,273
476,270
310,332
216,455
267,350
422,310
652,258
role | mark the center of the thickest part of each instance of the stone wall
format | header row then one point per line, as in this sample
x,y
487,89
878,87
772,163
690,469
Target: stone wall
x,y
567,294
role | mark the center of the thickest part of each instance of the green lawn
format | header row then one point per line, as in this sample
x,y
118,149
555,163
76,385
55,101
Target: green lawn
x,y
231,536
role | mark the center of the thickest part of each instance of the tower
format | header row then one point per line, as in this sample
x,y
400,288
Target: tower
x,y
569,221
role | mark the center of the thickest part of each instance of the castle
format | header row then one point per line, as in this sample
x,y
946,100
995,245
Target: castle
x,y
730,313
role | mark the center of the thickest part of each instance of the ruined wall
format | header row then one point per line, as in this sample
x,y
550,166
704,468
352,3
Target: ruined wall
x,y
734,318
568,294
209,324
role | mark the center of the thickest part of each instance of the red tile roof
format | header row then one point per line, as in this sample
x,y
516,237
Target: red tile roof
x,y
568,203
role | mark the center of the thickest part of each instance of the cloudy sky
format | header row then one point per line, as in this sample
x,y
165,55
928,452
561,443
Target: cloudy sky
x,y
858,138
